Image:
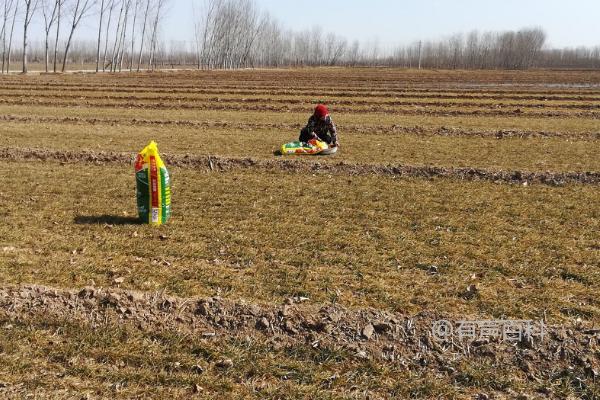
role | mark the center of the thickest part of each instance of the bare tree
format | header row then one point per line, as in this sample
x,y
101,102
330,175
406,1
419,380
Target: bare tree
x,y
456,50
316,46
3,29
230,30
50,11
117,37
208,31
507,50
81,9
155,25
235,33
60,4
135,14
10,37
354,53
335,48
373,52
30,8
471,49
146,13
123,38
111,5
102,12
120,36
7,10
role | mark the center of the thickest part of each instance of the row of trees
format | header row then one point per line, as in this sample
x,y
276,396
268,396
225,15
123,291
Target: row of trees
x,y
234,34
507,50
127,31
136,21
53,14
237,34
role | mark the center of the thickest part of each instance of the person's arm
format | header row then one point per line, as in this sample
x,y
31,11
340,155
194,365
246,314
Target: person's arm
x,y
332,131
312,122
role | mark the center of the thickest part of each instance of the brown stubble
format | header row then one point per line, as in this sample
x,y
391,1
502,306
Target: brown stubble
x,y
260,235
368,243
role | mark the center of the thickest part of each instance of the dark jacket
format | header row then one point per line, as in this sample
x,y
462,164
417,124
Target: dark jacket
x,y
325,130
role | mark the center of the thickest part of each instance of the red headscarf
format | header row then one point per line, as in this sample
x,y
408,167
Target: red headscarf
x,y
321,111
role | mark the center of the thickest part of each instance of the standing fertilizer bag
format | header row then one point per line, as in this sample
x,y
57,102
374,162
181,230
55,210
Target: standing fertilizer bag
x,y
153,186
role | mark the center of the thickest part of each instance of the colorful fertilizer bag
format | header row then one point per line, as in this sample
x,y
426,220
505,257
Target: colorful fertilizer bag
x,y
153,186
311,147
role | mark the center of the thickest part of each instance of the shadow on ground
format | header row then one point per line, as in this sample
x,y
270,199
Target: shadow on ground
x,y
106,219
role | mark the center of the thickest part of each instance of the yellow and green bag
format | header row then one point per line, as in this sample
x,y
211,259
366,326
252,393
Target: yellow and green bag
x,y
311,147
153,186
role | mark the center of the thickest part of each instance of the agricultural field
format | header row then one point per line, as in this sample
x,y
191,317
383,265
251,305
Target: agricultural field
x,y
456,195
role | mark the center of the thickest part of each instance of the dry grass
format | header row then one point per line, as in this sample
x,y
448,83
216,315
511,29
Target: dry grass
x,y
264,236
475,122
260,236
532,154
59,359
82,343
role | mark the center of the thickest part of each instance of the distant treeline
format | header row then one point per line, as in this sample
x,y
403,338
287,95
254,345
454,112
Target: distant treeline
x,y
494,50
237,34
233,34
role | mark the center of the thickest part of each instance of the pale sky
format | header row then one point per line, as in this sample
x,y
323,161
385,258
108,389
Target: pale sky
x,y
567,22
394,22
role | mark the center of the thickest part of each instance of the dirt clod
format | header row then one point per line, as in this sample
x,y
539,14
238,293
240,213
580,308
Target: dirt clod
x,y
382,327
470,292
224,363
197,369
402,339
263,324
368,331
197,388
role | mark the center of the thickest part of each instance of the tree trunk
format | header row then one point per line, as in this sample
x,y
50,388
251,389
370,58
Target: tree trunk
x,y
60,3
30,6
48,22
78,14
143,35
153,40
7,7
137,4
46,51
27,6
121,51
99,37
12,30
117,39
112,6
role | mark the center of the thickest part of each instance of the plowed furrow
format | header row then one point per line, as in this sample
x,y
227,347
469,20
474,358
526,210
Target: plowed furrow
x,y
295,323
284,101
282,84
301,166
361,129
516,112
75,91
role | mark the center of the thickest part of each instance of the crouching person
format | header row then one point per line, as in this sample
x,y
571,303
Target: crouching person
x,y
321,127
